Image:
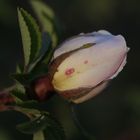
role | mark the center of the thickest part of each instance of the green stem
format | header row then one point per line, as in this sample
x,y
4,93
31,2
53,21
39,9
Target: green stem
x,y
9,88
78,124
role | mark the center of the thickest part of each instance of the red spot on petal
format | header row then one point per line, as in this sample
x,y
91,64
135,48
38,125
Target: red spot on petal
x,y
86,61
69,71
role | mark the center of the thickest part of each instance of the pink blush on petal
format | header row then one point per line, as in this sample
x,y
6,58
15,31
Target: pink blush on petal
x,y
69,71
86,61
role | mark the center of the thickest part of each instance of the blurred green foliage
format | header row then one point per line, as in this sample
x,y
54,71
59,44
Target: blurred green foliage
x,y
112,115
6,12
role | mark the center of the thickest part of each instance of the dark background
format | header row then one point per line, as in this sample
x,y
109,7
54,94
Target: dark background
x,y
112,115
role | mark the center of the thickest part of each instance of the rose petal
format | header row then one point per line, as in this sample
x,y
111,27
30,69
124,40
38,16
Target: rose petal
x,y
78,41
104,60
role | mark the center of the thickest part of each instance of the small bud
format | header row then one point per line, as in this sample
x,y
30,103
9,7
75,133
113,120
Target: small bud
x,y
83,65
6,98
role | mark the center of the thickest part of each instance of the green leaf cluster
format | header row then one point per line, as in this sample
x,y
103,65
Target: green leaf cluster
x,y
39,43
43,126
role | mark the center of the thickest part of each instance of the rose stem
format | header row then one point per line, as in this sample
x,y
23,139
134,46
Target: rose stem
x,y
78,124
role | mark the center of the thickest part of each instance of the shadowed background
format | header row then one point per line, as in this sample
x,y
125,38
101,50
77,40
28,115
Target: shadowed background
x,y
112,115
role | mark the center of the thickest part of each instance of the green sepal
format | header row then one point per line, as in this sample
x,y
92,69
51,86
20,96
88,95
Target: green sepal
x,y
26,79
23,79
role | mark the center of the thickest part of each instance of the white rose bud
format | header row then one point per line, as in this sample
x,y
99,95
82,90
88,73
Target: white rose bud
x,y
83,65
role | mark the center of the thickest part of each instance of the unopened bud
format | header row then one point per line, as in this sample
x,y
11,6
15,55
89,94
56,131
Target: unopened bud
x,y
83,65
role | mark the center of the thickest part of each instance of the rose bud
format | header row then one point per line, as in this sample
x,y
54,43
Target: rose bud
x,y
83,65
6,98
